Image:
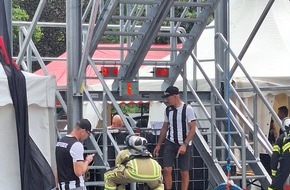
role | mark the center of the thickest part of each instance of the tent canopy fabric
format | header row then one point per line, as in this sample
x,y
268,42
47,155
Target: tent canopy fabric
x,y
42,95
41,103
269,53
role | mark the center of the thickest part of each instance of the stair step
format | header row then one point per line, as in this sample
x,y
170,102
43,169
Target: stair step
x,y
95,183
232,147
90,151
97,167
223,162
248,177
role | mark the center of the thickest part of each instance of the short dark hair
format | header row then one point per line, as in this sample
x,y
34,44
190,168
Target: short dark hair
x,y
84,124
283,109
171,90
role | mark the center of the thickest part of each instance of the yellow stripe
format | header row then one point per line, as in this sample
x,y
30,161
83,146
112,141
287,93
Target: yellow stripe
x,y
154,167
134,173
273,172
276,148
286,146
135,165
157,167
109,188
142,177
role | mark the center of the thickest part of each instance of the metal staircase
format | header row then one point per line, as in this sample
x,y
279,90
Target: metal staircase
x,y
137,28
141,26
229,135
137,31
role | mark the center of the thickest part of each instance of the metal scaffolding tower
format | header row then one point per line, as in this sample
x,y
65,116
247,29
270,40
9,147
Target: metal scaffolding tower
x,y
137,24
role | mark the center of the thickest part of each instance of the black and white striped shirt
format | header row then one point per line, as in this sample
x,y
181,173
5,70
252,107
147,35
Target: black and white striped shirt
x,y
178,119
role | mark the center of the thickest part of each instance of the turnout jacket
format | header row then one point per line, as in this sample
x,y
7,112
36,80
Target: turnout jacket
x,y
139,167
280,149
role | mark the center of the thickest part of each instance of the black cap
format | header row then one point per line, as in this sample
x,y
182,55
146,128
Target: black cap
x,y
171,90
85,124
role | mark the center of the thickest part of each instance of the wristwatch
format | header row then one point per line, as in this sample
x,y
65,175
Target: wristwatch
x,y
185,143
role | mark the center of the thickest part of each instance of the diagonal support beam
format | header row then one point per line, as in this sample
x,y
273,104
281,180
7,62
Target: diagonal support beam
x,y
30,33
141,44
190,43
102,23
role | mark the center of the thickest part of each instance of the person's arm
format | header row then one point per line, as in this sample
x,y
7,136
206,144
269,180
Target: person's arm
x,y
163,133
122,155
80,167
191,119
190,135
162,136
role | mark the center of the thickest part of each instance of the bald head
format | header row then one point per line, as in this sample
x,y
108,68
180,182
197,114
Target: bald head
x,y
117,122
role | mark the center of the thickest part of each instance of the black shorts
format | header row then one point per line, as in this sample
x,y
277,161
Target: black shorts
x,y
169,156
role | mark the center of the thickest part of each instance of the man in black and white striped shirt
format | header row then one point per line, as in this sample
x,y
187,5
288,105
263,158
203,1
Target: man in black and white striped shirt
x,y
178,130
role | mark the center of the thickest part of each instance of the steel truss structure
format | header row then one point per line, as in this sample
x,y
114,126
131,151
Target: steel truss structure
x,y
137,24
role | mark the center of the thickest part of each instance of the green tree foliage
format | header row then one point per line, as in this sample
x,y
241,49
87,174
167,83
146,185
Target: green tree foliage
x,y
133,108
52,42
19,14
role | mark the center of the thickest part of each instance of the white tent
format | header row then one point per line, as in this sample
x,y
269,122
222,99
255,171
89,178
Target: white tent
x,y
41,103
267,58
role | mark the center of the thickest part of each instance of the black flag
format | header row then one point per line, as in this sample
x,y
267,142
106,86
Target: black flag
x,y
35,172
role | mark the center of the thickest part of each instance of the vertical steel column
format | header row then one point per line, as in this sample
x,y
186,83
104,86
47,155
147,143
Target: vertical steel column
x,y
221,18
220,61
105,130
73,44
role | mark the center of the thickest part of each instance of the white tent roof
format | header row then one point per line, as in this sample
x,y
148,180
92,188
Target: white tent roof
x,y
269,52
40,89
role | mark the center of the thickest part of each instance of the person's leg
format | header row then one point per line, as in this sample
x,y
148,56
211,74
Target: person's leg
x,y
115,178
121,187
184,165
108,179
184,180
167,174
156,185
282,174
169,153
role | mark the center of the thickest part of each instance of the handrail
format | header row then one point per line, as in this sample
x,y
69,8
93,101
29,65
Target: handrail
x,y
209,117
256,88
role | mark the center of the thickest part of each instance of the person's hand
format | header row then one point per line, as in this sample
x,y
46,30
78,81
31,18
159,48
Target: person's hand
x,y
181,150
90,158
156,151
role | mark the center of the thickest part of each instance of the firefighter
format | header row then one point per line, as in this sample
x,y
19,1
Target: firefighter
x,y
281,158
134,164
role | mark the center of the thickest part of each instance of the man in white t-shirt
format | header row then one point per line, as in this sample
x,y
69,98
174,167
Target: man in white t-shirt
x,y
178,130
71,165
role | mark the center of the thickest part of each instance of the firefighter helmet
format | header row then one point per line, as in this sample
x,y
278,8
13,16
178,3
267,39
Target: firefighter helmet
x,y
287,124
136,142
